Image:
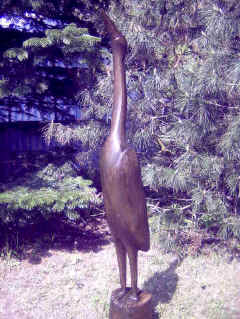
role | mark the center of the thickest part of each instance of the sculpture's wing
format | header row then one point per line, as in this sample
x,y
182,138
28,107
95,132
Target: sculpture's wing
x,y
124,198
136,211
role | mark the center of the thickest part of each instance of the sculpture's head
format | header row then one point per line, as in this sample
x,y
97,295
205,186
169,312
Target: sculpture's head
x,y
117,38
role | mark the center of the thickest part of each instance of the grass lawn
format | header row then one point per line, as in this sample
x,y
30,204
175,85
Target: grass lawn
x,y
77,284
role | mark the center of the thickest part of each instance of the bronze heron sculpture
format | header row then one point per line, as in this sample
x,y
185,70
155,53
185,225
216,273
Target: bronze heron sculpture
x,y
122,187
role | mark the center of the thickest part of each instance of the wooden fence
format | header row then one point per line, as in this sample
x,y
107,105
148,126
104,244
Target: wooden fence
x,y
20,137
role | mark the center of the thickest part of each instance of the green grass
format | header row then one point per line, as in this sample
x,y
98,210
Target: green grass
x,y
204,287
78,284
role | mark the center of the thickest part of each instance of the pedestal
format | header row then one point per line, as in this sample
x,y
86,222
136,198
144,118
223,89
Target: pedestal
x,y
126,308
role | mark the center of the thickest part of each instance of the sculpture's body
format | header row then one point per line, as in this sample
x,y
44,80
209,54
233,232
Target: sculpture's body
x,y
122,187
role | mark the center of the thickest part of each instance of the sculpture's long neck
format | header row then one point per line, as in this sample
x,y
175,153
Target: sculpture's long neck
x,y
119,96
119,49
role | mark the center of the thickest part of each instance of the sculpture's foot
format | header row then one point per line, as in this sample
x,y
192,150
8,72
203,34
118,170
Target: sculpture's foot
x,y
129,293
134,295
122,292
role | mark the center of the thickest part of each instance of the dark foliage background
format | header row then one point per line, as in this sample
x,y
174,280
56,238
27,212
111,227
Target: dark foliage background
x,y
183,73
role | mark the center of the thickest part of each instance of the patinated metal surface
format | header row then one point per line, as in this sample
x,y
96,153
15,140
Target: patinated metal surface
x,y
122,187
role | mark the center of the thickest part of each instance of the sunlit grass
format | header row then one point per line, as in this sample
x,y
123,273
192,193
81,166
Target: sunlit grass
x,y
79,284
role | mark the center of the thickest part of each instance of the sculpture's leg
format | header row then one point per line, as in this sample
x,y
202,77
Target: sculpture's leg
x,y
121,257
132,254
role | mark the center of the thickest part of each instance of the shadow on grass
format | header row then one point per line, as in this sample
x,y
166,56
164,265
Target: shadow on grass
x,y
162,285
35,242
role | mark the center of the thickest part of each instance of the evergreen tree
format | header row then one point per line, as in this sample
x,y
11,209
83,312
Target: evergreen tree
x,y
183,119
183,111
53,60
47,72
54,189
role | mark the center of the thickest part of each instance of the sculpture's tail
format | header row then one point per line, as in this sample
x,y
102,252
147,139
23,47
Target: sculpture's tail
x,y
116,36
